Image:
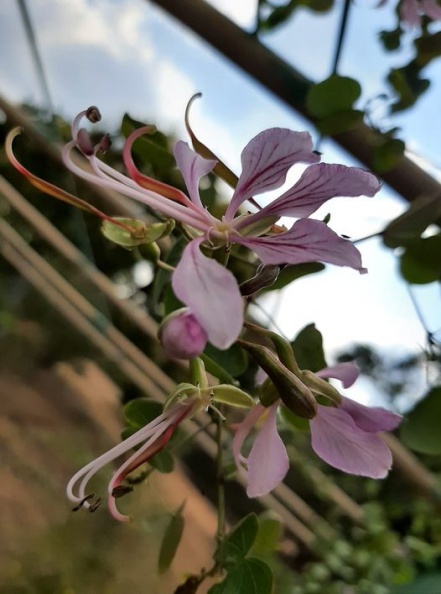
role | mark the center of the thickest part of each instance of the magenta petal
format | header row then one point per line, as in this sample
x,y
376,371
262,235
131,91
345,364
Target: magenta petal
x,y
308,240
268,460
347,373
337,440
182,336
431,8
266,160
370,418
193,167
318,184
212,294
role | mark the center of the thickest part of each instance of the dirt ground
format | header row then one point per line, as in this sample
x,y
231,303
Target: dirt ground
x,y
52,423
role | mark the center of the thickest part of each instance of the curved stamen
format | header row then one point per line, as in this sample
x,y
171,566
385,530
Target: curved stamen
x,y
147,182
150,198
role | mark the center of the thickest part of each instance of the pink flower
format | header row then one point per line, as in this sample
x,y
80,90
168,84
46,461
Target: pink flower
x,y
345,437
201,283
411,11
153,437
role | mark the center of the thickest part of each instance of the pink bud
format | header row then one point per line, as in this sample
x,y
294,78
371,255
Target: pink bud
x,y
182,336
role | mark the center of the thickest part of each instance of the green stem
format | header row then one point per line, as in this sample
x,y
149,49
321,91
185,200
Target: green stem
x,y
220,483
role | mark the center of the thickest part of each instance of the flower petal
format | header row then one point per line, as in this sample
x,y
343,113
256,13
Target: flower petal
x,y
308,240
370,418
347,373
337,440
266,160
431,8
318,184
242,431
409,12
193,167
212,294
268,460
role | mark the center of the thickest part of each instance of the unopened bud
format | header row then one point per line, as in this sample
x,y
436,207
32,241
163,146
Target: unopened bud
x,y
83,142
93,114
291,390
321,387
181,335
265,276
104,144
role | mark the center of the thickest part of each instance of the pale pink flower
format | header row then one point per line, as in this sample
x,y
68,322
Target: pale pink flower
x,y
201,283
345,437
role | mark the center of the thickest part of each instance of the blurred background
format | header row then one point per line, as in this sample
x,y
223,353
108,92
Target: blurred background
x,y
78,314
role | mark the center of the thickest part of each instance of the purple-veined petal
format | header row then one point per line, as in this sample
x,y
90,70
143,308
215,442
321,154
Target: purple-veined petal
x,y
266,160
318,184
347,373
212,294
193,167
432,9
337,440
370,418
308,240
268,460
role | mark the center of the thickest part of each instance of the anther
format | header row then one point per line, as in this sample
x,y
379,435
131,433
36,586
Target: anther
x,y
83,501
95,505
93,114
121,490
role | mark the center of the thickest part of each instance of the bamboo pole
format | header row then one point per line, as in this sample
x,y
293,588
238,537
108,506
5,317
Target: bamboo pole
x,y
143,368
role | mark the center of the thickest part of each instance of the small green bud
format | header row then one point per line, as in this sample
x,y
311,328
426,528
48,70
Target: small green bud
x,y
268,393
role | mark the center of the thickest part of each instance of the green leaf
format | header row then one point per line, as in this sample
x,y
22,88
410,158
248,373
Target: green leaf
x,y
420,263
427,584
240,540
308,349
408,85
319,5
250,576
163,462
291,273
333,95
423,211
428,47
233,360
232,396
140,412
339,122
152,149
391,39
421,428
293,421
269,534
171,540
387,155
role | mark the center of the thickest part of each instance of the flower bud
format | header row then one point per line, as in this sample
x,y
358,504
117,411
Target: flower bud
x,y
292,391
264,277
182,336
321,387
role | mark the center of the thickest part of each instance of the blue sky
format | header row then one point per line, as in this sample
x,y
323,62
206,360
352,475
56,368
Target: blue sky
x,y
129,56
